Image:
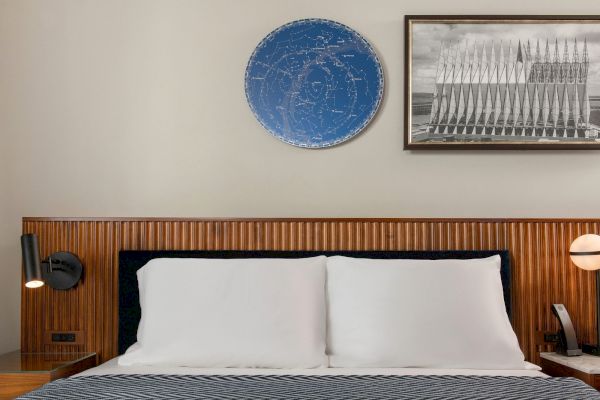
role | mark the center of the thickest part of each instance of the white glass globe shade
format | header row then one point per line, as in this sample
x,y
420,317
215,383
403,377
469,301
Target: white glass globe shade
x,y
585,252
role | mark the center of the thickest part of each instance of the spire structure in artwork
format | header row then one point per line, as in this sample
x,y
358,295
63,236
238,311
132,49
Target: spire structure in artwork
x,y
520,88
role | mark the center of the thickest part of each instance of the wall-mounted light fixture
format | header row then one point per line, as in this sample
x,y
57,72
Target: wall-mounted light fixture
x,y
61,270
585,253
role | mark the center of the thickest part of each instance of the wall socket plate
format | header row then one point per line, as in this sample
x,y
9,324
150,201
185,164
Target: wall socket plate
x,y
546,338
68,337
63,337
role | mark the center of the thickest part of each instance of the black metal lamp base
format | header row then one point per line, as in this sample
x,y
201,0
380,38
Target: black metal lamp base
x,y
569,353
62,270
591,349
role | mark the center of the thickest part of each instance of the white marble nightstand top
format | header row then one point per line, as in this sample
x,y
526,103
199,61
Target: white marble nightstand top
x,y
584,363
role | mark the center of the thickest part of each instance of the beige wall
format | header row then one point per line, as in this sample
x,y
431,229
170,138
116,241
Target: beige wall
x,y
9,255
137,108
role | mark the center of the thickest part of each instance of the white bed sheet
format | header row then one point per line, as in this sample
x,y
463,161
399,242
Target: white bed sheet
x,y
111,367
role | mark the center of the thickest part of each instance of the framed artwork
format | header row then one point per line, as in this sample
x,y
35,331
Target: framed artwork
x,y
502,82
314,83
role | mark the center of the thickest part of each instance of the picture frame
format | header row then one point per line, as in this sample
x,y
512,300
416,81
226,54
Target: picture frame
x,y
502,82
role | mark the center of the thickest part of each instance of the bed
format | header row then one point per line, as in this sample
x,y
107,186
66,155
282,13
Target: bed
x,y
113,381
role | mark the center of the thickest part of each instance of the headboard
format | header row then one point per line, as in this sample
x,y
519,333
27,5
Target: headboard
x,y
131,261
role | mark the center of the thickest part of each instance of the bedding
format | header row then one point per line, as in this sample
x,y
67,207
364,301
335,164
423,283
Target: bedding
x,y
283,387
139,381
419,313
111,367
257,312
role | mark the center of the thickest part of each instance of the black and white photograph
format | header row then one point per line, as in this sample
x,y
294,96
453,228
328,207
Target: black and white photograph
x,y
502,83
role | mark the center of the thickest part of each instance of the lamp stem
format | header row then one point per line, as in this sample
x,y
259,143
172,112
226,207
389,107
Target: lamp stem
x,y
598,308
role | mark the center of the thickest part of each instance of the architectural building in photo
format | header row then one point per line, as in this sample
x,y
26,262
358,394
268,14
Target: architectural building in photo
x,y
498,91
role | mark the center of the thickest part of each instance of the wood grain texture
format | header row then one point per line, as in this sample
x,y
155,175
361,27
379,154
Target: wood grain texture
x,y
38,369
14,385
542,271
552,368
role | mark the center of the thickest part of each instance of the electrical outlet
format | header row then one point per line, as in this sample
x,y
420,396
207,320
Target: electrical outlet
x,y
64,337
550,337
545,338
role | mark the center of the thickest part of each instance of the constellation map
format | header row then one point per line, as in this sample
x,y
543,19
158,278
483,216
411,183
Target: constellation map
x,y
314,83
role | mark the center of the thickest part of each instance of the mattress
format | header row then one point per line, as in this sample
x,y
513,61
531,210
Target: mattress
x,y
314,387
114,382
112,368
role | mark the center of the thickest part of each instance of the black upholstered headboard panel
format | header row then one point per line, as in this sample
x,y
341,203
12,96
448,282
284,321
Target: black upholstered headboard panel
x,y
131,261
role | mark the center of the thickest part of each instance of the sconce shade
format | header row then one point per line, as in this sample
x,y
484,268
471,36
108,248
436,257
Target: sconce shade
x,y
31,261
585,252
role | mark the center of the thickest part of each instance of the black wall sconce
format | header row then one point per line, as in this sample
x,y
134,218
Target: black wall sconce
x,y
62,270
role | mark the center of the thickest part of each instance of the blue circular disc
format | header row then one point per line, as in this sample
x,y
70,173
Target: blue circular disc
x,y
314,83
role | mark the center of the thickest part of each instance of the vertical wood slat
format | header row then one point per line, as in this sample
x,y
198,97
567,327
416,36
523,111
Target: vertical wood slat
x,y
542,272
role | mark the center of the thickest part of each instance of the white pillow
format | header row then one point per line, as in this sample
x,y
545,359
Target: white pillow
x,y
419,313
267,313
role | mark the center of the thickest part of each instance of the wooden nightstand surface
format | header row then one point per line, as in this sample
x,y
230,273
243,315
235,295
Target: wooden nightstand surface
x,y
584,367
584,363
23,372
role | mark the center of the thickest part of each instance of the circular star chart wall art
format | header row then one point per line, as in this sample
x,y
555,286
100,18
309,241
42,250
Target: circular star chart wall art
x,y
314,83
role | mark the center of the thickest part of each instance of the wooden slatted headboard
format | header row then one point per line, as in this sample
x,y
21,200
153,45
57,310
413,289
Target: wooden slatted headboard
x,y
541,271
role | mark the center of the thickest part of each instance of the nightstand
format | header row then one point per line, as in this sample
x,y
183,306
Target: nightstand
x,y
584,367
22,372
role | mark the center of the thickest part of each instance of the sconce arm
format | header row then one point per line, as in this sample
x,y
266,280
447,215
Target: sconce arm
x,y
54,264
